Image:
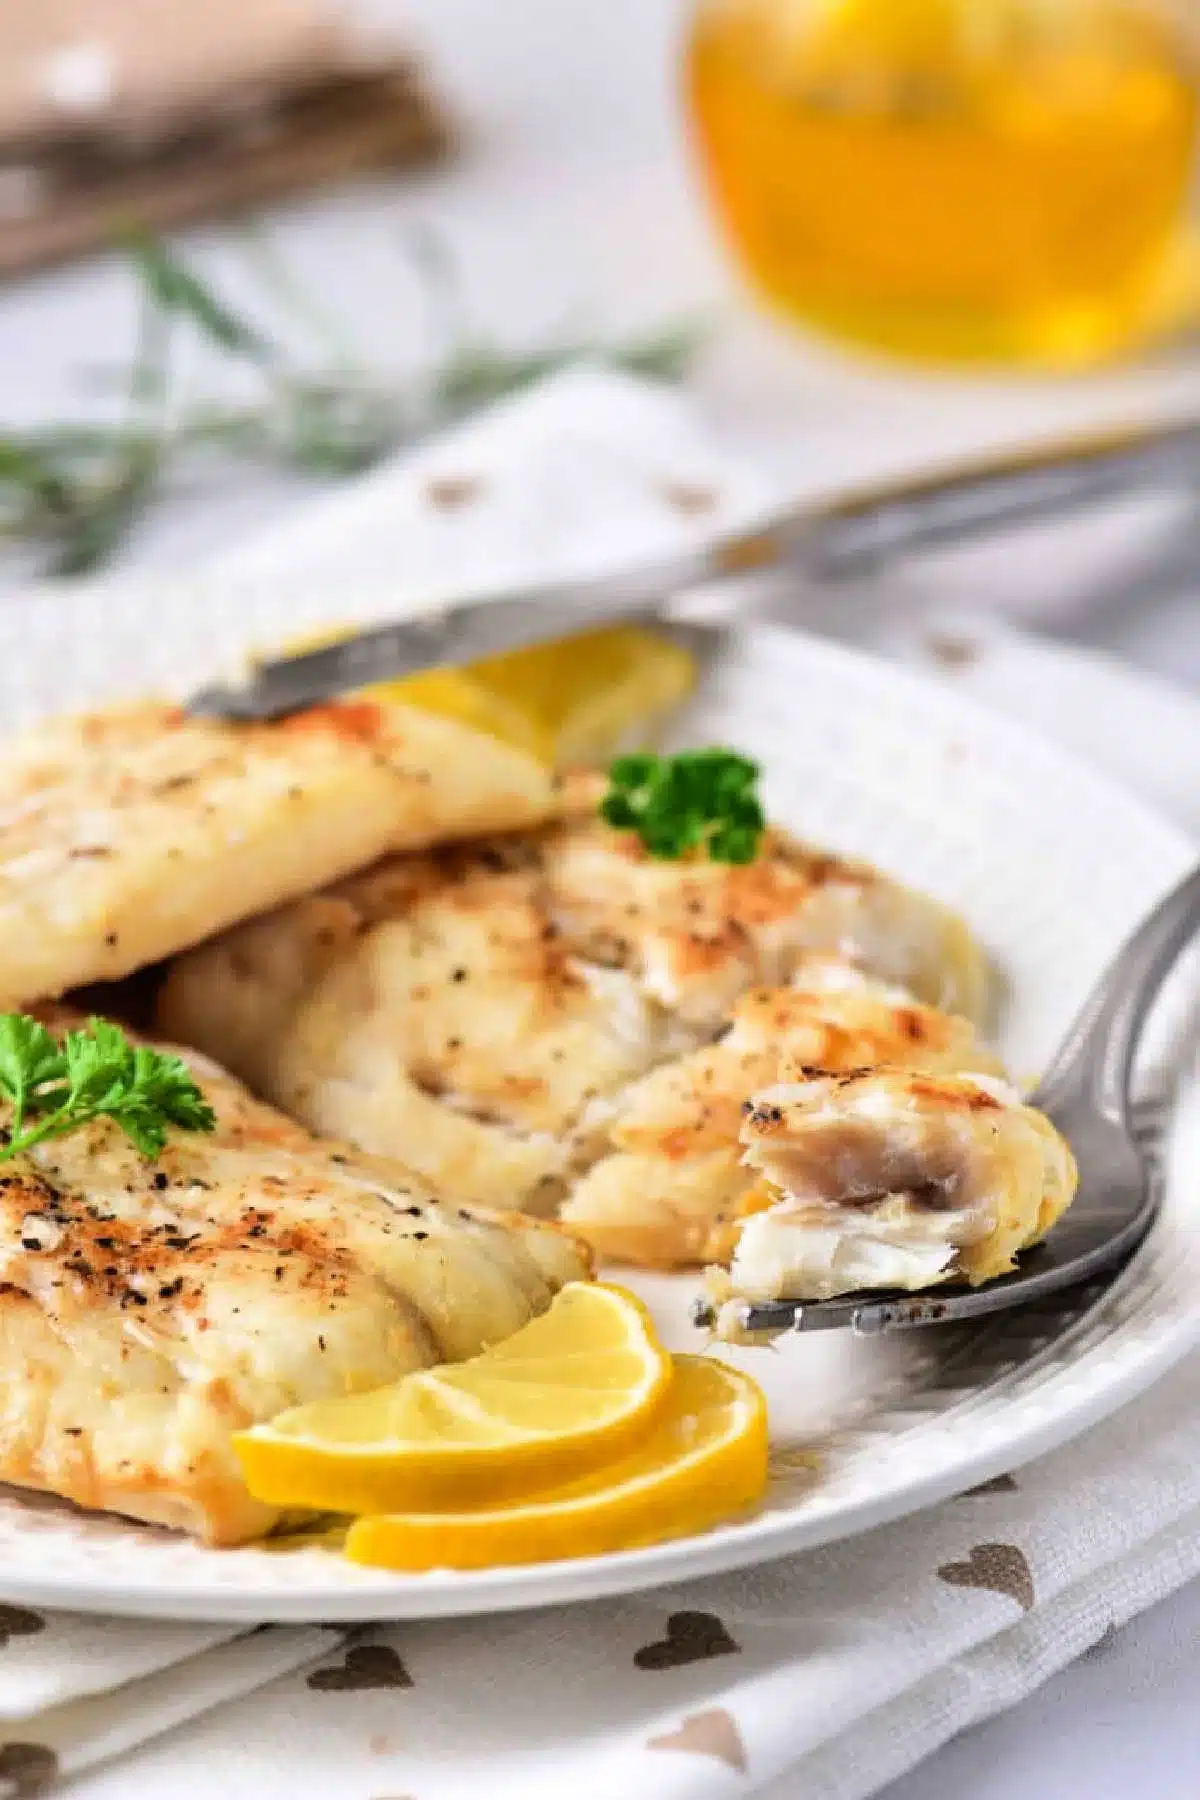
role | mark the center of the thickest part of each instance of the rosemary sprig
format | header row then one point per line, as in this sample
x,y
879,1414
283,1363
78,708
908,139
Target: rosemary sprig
x,y
76,490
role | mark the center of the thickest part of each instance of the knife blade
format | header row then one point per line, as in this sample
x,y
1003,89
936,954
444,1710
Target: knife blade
x,y
826,541
454,634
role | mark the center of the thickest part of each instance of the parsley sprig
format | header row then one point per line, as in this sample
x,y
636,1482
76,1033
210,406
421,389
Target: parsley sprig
x,y
698,800
96,1073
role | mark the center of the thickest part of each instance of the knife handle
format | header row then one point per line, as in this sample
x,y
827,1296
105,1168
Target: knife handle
x,y
854,535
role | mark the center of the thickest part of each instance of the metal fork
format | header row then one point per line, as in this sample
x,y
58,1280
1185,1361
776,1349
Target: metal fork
x,y
1086,1092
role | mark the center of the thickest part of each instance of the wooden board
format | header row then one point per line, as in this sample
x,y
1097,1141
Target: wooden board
x,y
75,181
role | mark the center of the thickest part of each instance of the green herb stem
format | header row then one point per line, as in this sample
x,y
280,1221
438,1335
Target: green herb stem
x,y
77,490
95,1073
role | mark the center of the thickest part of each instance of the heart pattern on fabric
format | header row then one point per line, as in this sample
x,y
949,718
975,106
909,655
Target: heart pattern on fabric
x,y
999,1484
1103,1643
27,1770
691,1637
997,1569
689,498
712,1733
449,492
364,1666
18,1621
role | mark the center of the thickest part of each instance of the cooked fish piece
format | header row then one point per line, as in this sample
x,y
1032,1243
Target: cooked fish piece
x,y
130,834
429,1010
149,1310
479,1010
667,1196
891,1179
697,934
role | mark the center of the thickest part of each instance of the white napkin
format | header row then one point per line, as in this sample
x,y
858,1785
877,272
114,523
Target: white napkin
x,y
816,1678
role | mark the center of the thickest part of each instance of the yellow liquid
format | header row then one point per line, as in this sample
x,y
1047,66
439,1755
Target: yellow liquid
x,y
955,179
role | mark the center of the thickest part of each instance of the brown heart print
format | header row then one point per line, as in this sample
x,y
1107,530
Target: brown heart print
x,y
691,1637
999,1484
449,492
996,1568
365,1666
711,1733
27,1770
1103,1643
17,1621
689,498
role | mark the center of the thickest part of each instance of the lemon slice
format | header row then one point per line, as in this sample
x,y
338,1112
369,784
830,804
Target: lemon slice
x,y
571,1389
573,700
704,1459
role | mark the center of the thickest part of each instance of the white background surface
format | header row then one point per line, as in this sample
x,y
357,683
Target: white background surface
x,y
573,200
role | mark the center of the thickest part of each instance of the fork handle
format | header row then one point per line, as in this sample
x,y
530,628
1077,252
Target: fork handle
x,y
1097,1055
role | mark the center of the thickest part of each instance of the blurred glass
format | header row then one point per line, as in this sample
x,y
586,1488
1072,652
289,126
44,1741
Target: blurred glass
x,y
1005,181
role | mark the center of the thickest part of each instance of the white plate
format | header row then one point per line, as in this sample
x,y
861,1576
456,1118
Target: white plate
x,y
1053,864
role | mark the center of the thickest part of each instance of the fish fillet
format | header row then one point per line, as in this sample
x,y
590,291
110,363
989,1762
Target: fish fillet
x,y
148,1310
668,1194
479,1011
130,834
889,1178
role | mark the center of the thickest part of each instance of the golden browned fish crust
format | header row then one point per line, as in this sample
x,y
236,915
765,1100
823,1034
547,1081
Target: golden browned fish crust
x,y
149,1310
479,1010
130,834
890,1178
669,1195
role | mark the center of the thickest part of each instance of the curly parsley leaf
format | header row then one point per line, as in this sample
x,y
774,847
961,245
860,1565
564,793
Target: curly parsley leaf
x,y
699,800
96,1073
29,1061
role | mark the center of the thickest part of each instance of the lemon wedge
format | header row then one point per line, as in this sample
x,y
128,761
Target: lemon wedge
x,y
573,1388
587,696
573,700
457,694
703,1460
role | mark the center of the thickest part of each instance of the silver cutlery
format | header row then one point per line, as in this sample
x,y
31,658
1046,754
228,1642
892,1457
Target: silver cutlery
x,y
1086,1092
825,541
